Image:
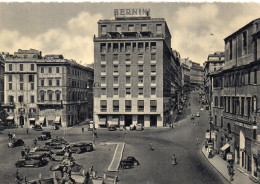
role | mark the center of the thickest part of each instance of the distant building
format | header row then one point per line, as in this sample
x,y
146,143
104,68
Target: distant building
x,y
196,75
46,90
186,77
236,99
2,69
137,75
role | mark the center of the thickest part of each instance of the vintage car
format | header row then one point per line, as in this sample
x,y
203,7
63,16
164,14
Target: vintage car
x,y
34,160
132,127
37,128
15,143
112,128
139,127
197,114
81,147
44,136
91,126
129,162
56,140
47,152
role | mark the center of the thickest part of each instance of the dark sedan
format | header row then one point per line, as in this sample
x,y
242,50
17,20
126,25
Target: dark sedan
x,y
15,143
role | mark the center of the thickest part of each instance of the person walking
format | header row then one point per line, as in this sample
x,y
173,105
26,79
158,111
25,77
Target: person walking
x,y
27,130
197,140
13,136
10,136
35,142
95,133
151,146
82,129
23,152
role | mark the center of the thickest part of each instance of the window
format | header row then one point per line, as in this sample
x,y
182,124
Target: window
x,y
103,80
20,99
159,28
153,79
140,57
140,46
103,68
153,68
228,104
10,86
140,105
57,82
103,91
230,49
10,78
42,70
50,82
115,47
141,91
103,29
248,106
216,120
153,91
128,57
115,91
140,68
103,105
57,69
115,68
115,80
221,101
127,68
21,78
57,97
242,105
153,46
32,67
131,27
42,82
115,105
128,105
10,67
254,104
221,122
140,80
21,86
118,28
249,76
216,101
255,76
31,78
128,48
11,99
244,43
128,91
128,80
153,57
50,97
153,105
50,70
32,86
103,57
32,99
144,27
115,57
21,67
42,97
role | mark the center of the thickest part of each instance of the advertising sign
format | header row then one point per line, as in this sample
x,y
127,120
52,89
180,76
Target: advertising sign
x,y
131,12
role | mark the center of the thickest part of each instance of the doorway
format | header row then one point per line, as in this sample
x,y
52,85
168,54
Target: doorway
x,y
128,120
21,121
141,119
153,120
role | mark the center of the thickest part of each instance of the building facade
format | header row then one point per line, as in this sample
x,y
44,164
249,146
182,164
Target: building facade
x,y
137,74
2,69
186,77
47,90
196,75
236,98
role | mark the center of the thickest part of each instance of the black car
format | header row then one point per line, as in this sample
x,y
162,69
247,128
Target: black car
x,y
81,147
34,160
112,128
37,128
44,136
56,140
129,162
15,143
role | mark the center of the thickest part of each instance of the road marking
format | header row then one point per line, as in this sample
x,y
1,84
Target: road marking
x,y
113,167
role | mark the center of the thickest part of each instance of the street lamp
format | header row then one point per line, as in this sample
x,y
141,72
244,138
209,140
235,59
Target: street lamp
x,y
95,86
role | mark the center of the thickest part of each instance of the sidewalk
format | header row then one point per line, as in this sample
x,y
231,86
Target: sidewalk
x,y
221,166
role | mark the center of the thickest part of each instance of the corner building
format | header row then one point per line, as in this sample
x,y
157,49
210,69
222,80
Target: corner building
x,y
137,76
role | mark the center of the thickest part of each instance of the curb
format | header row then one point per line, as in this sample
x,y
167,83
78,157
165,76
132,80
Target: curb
x,y
214,166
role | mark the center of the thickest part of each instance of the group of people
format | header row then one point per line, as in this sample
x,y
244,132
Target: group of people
x,y
25,151
11,136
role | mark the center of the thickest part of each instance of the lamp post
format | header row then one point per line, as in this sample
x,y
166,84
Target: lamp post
x,y
95,87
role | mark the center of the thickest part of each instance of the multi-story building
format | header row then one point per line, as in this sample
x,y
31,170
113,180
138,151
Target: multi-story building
x,y
137,75
47,90
214,62
236,98
196,75
2,69
186,77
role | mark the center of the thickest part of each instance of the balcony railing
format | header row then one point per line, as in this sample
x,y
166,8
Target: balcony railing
x,y
130,35
49,102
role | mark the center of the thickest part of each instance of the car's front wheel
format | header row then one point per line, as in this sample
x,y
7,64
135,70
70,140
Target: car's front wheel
x,y
135,164
88,149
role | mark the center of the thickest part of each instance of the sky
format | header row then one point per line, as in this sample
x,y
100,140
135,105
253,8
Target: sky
x,y
68,28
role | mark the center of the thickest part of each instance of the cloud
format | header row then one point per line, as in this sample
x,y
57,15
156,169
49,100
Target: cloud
x,y
74,41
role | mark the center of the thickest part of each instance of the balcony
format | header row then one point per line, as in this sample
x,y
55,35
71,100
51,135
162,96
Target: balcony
x,y
128,84
153,84
153,61
8,105
116,62
153,73
128,73
153,109
48,102
115,85
128,62
103,62
115,73
140,84
103,73
141,62
140,73
129,35
103,84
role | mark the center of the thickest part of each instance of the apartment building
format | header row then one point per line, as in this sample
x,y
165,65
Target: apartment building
x,y
137,75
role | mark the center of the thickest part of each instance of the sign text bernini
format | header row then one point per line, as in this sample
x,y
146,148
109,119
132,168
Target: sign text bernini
x,y
131,12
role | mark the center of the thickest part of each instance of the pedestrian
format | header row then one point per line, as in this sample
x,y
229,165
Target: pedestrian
x,y
35,142
82,129
91,168
23,153
13,136
9,136
27,130
95,133
151,146
27,150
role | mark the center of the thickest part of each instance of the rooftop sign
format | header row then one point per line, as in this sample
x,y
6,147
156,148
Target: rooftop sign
x,y
133,12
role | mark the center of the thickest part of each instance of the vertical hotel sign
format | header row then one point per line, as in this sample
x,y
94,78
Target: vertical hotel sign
x,y
133,12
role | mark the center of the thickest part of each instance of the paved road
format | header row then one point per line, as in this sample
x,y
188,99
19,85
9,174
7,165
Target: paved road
x,y
155,165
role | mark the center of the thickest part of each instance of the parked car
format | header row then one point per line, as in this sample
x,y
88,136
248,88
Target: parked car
x,y
15,143
112,128
91,126
55,127
132,127
44,136
197,114
47,152
207,107
81,147
129,162
139,127
56,140
37,160
37,128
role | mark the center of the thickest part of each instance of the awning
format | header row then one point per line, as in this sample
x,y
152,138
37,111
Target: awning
x,y
226,146
10,118
57,120
41,120
102,121
31,119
